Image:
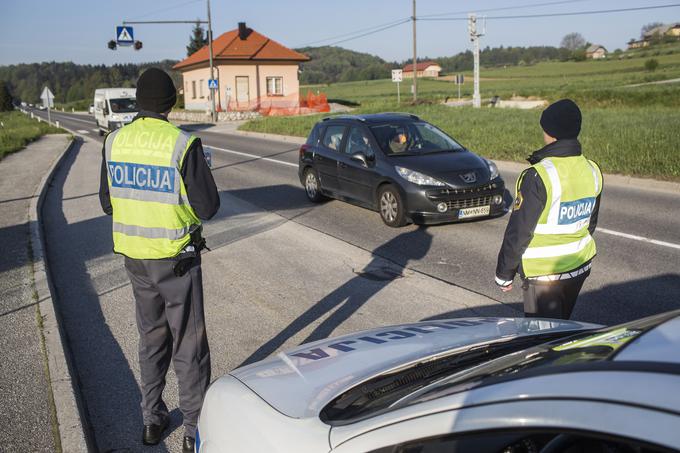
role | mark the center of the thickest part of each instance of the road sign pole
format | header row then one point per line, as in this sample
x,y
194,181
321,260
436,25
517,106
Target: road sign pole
x,y
49,117
398,94
212,72
459,84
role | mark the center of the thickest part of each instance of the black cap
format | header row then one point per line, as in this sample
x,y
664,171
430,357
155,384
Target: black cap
x,y
155,91
562,119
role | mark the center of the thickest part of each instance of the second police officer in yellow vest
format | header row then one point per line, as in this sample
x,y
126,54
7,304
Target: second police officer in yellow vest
x,y
156,184
548,239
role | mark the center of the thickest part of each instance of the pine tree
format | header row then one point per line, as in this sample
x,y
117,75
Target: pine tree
x,y
197,39
5,98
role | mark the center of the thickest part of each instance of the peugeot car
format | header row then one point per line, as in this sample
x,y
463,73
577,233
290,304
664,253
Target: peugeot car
x,y
483,385
402,167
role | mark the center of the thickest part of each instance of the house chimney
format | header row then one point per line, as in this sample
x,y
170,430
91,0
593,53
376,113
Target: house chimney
x,y
242,30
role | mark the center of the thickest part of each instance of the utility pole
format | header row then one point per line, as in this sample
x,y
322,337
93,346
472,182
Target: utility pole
x,y
213,115
415,58
474,37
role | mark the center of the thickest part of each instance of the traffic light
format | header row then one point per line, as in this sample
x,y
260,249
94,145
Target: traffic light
x,y
137,45
112,45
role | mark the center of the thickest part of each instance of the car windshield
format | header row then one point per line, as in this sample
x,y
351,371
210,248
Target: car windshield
x,y
592,346
381,392
123,105
409,138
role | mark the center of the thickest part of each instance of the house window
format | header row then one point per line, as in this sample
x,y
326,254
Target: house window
x,y
274,86
200,88
193,89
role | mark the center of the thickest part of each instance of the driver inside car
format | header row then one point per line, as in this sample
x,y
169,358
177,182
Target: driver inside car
x,y
399,141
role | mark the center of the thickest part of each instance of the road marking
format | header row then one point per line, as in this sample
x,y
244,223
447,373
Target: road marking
x,y
82,131
253,156
95,130
76,119
639,238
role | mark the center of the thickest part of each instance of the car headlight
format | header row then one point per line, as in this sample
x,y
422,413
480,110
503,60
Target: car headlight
x,y
418,178
493,169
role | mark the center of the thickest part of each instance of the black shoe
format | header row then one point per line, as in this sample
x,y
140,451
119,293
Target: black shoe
x,y
153,433
188,444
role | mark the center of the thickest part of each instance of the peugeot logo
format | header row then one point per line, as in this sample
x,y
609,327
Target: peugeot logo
x,y
469,177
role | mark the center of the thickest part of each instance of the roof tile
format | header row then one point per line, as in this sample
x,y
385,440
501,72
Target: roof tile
x,y
228,46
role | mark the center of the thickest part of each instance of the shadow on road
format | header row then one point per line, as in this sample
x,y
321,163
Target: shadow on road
x,y
622,302
352,295
612,304
110,395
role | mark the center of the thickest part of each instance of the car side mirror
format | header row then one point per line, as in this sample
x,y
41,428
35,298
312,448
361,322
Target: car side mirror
x,y
360,157
106,111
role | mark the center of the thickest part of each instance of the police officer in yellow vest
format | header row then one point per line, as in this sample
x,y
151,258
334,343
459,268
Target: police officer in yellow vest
x,y
548,239
156,184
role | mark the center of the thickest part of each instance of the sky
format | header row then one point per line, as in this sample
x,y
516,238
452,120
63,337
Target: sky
x,y
78,30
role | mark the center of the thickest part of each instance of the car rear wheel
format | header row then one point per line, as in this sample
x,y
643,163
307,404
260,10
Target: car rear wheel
x,y
391,207
312,187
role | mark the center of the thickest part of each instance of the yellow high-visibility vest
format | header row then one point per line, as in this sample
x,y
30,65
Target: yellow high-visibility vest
x,y
152,217
561,240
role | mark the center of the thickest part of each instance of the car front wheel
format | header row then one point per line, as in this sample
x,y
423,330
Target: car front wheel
x,y
391,207
312,188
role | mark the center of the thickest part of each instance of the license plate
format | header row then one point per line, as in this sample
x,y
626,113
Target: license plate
x,y
474,212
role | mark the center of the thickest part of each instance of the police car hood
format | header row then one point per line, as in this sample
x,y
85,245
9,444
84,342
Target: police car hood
x,y
301,381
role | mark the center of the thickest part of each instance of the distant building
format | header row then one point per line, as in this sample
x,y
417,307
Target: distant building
x,y
253,73
637,44
663,30
671,30
424,69
596,52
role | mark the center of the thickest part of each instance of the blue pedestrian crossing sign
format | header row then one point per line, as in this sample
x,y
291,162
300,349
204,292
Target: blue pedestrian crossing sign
x,y
212,84
124,35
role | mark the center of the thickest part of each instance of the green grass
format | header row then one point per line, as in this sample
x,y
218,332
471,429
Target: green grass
x,y
628,130
632,141
590,83
18,130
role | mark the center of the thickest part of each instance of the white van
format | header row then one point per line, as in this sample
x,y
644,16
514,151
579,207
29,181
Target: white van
x,y
114,108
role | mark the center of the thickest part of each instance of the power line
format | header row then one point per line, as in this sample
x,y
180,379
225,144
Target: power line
x,y
394,22
378,30
527,5
574,13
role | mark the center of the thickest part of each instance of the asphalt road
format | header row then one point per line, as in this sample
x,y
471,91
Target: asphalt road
x,y
284,270
631,277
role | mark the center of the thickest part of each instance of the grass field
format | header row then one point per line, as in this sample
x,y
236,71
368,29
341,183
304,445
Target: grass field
x,y
628,130
18,130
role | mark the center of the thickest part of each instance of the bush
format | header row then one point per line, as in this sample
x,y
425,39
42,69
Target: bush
x,y
651,64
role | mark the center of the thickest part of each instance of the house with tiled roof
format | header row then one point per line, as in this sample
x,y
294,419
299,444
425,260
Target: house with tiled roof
x,y
423,69
596,52
253,72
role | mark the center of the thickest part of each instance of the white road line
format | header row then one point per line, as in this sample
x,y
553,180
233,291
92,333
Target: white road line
x,y
82,131
76,119
639,238
95,130
253,156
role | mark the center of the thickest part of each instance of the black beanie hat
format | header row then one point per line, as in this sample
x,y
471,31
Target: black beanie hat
x,y
562,119
155,91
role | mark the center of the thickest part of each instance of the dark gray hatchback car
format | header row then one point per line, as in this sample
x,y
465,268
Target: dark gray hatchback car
x,y
402,167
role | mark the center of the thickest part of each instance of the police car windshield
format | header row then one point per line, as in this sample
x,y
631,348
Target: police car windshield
x,y
412,137
591,346
123,105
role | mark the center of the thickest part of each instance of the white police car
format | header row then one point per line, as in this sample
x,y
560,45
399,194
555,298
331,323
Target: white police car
x,y
464,385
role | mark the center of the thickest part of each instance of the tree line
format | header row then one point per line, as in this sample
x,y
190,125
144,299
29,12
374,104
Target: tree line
x,y
72,82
